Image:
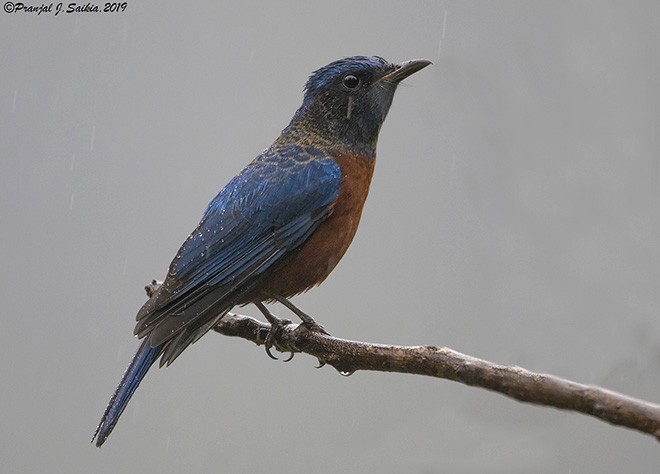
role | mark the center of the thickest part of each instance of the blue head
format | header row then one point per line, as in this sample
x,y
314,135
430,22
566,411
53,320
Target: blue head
x,y
347,101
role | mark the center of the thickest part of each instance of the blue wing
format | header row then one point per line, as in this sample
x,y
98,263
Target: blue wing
x,y
264,213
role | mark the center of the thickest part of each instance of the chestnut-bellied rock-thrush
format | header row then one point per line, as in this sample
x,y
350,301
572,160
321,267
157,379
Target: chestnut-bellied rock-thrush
x,y
277,228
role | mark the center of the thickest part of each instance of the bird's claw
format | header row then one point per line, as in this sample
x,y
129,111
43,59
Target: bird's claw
x,y
270,354
276,326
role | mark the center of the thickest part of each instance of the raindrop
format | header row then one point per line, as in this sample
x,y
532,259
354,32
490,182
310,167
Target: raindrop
x,y
346,373
71,201
442,36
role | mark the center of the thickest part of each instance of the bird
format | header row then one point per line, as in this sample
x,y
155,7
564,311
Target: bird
x,y
280,226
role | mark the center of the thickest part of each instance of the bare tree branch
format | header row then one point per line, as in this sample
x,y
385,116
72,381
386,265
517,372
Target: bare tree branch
x,y
515,382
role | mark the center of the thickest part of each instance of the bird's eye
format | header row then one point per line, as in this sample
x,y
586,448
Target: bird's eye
x,y
350,81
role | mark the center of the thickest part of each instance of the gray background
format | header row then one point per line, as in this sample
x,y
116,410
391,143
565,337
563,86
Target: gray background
x,y
513,216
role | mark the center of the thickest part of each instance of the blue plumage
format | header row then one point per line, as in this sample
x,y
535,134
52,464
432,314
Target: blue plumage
x,y
280,226
323,77
137,369
260,216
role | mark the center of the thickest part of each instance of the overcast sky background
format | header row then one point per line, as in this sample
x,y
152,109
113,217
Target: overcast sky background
x,y
514,216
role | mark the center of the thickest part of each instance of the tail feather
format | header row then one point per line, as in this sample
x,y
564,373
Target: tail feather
x,y
137,369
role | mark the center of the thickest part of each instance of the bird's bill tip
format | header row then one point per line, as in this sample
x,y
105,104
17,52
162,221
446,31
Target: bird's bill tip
x,y
405,69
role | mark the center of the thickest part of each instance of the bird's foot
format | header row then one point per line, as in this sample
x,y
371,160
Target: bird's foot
x,y
314,327
307,321
276,326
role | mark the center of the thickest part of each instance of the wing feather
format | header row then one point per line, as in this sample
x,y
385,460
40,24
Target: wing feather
x,y
260,217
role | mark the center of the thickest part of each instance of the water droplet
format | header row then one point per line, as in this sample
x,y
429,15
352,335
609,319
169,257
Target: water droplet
x,y
442,37
444,24
346,373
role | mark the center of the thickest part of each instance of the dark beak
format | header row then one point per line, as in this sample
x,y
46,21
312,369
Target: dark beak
x,y
405,69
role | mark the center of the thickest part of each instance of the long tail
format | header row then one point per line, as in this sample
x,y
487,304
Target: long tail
x,y
137,369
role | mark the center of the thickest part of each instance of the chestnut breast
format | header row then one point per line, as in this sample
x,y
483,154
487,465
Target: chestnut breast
x,y
313,261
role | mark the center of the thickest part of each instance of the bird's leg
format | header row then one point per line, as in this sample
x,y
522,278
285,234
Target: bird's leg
x,y
275,325
307,320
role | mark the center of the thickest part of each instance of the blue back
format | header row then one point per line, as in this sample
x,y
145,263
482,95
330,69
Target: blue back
x,y
266,211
